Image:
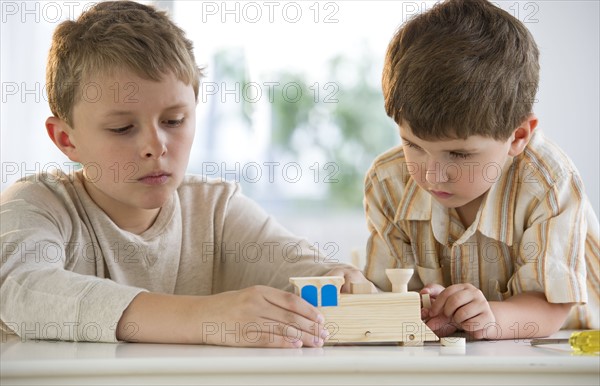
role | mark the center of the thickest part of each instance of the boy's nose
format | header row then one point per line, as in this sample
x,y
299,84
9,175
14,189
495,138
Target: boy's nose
x,y
154,145
435,173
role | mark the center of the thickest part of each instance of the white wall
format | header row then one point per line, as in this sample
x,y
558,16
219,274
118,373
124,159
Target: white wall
x,y
568,99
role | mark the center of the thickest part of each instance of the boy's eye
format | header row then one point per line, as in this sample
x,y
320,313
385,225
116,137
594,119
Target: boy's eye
x,y
168,122
121,130
174,122
454,154
411,145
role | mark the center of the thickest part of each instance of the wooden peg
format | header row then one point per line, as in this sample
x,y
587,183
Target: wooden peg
x,y
426,300
399,279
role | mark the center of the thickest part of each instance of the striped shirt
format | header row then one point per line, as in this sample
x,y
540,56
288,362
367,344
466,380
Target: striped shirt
x,y
534,231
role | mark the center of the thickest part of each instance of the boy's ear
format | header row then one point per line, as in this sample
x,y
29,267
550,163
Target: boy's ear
x,y
58,131
522,134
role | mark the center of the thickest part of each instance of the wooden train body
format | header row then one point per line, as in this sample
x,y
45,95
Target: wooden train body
x,y
367,317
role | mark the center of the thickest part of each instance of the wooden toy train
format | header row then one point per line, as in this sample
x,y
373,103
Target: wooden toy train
x,y
361,316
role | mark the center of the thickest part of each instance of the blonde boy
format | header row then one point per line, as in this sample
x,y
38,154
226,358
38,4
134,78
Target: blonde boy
x,y
492,216
130,248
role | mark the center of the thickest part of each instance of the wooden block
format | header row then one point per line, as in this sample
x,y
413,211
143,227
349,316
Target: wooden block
x,y
382,317
360,287
363,316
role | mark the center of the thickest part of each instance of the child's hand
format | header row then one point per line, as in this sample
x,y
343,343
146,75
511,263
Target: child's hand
x,y
441,325
262,316
350,275
464,306
433,290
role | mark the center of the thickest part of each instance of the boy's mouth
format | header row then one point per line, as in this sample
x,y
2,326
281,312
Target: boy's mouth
x,y
441,194
155,178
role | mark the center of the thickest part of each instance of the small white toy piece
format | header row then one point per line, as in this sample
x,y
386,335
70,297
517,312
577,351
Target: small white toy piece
x,y
452,341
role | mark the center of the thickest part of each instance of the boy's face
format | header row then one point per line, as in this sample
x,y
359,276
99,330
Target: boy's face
x,y
455,172
133,137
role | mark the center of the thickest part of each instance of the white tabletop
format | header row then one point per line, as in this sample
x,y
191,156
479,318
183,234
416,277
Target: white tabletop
x,y
483,362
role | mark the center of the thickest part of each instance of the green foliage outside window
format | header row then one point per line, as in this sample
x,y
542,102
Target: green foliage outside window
x,y
342,120
354,110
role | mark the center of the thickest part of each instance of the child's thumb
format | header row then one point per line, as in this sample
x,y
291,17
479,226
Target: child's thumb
x,y
432,289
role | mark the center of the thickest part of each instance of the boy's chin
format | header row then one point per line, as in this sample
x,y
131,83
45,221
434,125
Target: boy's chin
x,y
155,199
448,202
451,203
155,202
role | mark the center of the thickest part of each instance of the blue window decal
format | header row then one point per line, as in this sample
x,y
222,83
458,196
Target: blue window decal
x,y
329,295
309,293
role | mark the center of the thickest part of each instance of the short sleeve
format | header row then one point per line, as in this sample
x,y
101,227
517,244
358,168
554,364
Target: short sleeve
x,y
551,256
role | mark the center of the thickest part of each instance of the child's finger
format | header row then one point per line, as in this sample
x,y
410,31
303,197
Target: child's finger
x,y
441,326
293,333
439,304
311,333
294,312
432,290
465,303
295,304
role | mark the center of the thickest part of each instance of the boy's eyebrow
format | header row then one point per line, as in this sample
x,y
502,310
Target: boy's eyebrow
x,y
456,150
118,112
128,112
462,150
177,106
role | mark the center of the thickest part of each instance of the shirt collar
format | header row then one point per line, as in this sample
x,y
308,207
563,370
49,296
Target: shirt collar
x,y
495,218
415,203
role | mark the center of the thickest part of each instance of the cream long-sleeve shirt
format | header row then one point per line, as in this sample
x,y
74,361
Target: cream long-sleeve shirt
x,y
68,271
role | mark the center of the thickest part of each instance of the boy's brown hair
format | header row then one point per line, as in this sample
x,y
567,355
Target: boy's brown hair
x,y
111,36
463,68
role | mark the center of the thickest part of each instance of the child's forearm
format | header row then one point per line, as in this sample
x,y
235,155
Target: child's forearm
x,y
524,316
159,318
257,316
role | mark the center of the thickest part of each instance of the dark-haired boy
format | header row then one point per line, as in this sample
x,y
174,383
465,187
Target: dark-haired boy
x,y
492,215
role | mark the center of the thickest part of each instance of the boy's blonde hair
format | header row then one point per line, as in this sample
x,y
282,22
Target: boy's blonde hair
x,y
463,68
111,36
